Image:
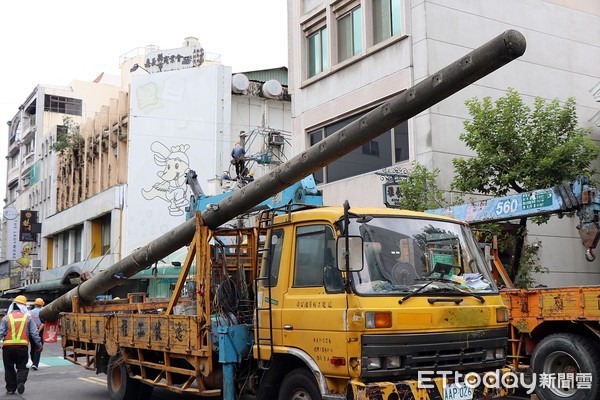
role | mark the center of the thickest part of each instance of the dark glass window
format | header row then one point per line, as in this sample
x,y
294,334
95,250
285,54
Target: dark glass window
x,y
373,155
386,19
318,54
350,34
63,105
316,137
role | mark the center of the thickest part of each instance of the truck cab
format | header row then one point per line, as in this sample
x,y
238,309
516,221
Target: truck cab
x,y
418,302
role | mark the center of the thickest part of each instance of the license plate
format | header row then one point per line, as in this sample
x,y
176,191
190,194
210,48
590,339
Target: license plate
x,y
458,392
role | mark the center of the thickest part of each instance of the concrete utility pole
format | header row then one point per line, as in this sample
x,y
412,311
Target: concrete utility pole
x,y
449,80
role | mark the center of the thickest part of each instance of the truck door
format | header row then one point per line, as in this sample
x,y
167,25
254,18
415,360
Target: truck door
x,y
314,307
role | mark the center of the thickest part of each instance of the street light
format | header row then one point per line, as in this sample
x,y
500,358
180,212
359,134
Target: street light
x,y
136,66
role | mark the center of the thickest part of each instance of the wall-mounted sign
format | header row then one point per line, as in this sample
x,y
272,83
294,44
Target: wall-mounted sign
x,y
13,246
29,227
391,188
391,195
172,59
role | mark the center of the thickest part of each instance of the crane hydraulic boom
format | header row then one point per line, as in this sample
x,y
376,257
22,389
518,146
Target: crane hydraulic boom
x,y
573,196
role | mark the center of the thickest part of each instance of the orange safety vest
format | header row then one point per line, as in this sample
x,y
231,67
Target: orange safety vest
x,y
16,335
36,319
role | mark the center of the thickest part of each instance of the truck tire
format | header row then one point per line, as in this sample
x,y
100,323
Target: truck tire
x,y
120,385
566,353
299,384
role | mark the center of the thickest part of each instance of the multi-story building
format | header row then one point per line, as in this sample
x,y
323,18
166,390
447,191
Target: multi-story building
x,y
122,183
31,173
346,57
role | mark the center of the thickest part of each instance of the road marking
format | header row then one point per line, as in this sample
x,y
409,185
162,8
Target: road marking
x,y
47,362
97,381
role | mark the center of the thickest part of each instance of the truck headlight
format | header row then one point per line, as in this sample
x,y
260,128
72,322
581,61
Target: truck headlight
x,y
495,354
373,363
392,362
500,353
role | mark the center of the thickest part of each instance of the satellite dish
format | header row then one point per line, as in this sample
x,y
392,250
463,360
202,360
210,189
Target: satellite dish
x,y
239,83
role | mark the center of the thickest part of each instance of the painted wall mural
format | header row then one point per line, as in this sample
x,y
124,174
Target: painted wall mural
x,y
171,186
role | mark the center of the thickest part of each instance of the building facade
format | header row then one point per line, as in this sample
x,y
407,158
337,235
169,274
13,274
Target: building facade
x,y
31,171
346,57
120,181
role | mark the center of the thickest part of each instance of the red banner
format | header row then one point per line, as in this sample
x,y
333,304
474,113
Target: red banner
x,y
50,332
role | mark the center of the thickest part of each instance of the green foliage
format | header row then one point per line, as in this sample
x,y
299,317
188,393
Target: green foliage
x,y
68,136
522,149
530,261
529,265
518,148
420,191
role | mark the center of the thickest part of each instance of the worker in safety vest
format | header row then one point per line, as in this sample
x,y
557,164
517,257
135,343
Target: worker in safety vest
x,y
17,329
35,351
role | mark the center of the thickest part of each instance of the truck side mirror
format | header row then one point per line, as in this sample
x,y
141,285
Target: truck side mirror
x,y
354,252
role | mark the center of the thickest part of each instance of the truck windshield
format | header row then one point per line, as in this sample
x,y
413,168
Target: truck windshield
x,y
402,255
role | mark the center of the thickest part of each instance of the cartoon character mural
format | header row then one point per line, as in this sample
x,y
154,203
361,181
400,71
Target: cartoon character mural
x,y
171,187
25,261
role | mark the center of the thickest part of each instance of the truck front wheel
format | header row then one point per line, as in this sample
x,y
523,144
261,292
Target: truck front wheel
x,y
299,384
120,385
558,363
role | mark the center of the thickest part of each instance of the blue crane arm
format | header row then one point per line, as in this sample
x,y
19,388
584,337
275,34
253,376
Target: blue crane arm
x,y
302,192
577,195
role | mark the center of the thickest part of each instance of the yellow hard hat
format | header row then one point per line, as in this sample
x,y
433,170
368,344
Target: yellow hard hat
x,y
21,299
39,302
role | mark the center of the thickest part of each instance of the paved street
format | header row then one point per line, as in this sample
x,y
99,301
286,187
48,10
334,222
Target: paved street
x,y
58,379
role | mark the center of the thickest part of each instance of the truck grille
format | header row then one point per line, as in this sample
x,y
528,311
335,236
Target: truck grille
x,y
435,352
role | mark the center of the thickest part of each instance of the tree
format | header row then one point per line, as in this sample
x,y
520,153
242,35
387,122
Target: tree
x,y
68,136
520,149
420,191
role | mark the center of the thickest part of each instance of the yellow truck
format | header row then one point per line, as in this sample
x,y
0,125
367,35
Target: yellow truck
x,y
311,302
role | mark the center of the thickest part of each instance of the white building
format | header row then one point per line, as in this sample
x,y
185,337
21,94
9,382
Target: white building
x,y
347,56
125,185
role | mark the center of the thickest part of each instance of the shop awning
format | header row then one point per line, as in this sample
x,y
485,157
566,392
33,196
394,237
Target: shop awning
x,y
54,285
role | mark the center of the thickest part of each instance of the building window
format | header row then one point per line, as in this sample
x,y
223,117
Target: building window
x,y
100,236
318,54
14,160
371,148
372,156
106,235
65,248
78,243
50,253
349,34
63,105
386,19
29,147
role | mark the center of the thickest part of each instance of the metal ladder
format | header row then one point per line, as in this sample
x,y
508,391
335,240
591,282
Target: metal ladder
x,y
265,220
